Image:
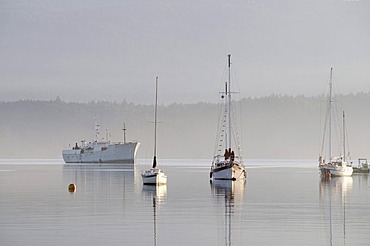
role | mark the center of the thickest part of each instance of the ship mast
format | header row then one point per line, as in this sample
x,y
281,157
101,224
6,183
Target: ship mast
x,y
97,129
124,132
107,134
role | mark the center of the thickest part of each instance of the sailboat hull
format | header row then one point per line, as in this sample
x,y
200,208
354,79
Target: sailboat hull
x,y
226,171
336,171
153,177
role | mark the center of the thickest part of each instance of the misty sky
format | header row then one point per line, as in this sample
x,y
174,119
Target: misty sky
x,y
82,50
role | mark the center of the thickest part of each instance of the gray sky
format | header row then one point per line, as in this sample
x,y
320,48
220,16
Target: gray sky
x,y
84,50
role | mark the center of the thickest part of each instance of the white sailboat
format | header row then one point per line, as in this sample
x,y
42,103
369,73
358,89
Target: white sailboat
x,y
335,166
226,164
154,175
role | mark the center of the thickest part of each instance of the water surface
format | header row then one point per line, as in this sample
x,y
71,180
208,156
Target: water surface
x,y
281,203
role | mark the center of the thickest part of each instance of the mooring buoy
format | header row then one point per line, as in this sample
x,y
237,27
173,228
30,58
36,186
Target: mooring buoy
x,y
72,188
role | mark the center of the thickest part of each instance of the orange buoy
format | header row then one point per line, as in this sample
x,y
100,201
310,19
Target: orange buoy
x,y
72,188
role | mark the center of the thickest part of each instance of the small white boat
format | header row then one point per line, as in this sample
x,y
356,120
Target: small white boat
x,y
154,176
335,166
227,165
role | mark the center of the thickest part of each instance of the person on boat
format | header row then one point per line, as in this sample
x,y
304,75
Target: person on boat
x,y
230,153
232,156
227,154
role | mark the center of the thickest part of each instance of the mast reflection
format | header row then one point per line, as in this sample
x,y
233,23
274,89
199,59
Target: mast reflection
x,y
334,196
230,194
157,193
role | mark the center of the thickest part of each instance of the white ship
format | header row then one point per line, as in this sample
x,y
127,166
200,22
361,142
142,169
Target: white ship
x,y
102,151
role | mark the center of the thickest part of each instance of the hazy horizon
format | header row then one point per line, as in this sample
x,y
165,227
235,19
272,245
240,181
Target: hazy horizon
x,y
270,128
91,50
272,95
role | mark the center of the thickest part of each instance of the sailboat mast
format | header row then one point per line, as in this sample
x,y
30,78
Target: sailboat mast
x,y
330,110
344,138
229,100
225,119
155,123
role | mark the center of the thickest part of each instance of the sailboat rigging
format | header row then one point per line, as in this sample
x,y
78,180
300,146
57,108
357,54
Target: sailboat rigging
x,y
154,175
228,166
336,166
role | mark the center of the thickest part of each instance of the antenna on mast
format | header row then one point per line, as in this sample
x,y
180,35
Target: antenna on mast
x,y
97,131
107,134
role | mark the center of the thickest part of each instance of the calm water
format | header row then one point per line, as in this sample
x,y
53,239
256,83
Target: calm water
x,y
281,203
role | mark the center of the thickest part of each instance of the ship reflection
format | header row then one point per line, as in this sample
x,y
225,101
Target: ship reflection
x,y
99,182
156,193
229,195
334,197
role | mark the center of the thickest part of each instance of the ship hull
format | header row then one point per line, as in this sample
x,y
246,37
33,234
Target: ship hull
x,y
113,153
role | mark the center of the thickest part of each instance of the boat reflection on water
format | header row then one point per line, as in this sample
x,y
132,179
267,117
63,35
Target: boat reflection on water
x,y
94,182
334,199
228,189
156,193
229,196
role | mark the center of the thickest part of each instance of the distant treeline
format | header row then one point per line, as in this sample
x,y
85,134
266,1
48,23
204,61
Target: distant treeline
x,y
272,127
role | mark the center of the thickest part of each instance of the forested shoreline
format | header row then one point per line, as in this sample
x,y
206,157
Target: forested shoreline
x,y
281,127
